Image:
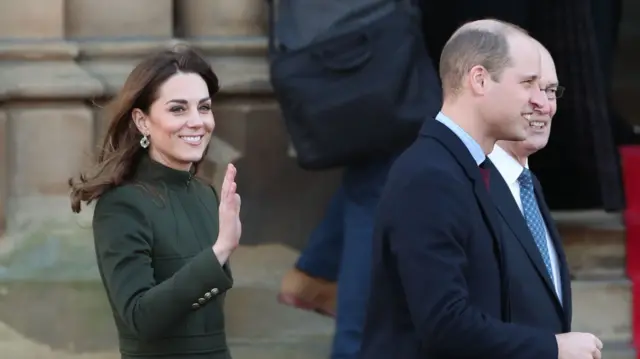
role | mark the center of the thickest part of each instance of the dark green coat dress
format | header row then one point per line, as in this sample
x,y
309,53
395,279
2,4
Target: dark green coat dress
x,y
153,239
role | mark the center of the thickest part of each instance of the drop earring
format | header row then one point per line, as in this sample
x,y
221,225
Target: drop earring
x,y
144,141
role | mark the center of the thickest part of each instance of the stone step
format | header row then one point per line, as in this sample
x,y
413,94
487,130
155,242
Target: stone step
x,y
612,350
601,298
18,347
594,242
317,349
618,350
252,311
603,307
595,245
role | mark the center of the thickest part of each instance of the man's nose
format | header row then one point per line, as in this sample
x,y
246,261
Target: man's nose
x,y
540,102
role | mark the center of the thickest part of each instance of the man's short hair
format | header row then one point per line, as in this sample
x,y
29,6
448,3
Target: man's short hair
x,y
483,42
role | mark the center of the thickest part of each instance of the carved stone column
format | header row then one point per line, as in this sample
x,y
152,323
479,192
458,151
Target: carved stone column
x,y
113,35
119,20
31,20
45,140
33,29
221,18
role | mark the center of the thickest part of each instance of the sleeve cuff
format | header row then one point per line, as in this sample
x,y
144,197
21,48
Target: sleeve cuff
x,y
201,280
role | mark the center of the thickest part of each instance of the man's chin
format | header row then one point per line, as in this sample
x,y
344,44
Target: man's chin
x,y
520,136
535,146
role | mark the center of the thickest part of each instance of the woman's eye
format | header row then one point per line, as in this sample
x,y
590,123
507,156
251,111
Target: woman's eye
x,y
176,109
205,108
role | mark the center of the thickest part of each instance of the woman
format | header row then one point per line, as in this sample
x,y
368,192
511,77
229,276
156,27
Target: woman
x,y
162,243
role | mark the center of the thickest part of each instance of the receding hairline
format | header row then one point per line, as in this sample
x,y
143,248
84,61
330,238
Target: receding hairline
x,y
458,51
491,25
544,52
545,56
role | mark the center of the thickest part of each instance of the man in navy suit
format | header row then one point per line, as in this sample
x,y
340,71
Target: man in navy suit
x,y
538,272
440,281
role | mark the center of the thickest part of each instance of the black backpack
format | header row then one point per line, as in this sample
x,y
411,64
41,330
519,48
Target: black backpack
x,y
359,90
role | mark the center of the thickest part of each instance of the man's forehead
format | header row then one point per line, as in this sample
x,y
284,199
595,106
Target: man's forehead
x,y
548,81
525,53
548,69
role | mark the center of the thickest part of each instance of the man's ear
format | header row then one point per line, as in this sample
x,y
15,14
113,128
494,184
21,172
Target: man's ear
x,y
140,119
478,77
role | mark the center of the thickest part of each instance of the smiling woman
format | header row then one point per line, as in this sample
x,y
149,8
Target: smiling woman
x,y
162,238
179,123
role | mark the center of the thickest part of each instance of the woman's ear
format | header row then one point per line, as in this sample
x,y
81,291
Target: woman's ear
x,y
140,119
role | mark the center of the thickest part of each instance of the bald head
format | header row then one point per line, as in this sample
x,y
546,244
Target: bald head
x,y
549,77
543,50
547,59
482,42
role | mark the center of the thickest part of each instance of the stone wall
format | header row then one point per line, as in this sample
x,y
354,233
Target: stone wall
x,y
61,59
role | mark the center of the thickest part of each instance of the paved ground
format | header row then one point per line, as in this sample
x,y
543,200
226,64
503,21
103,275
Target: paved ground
x,y
53,307
15,346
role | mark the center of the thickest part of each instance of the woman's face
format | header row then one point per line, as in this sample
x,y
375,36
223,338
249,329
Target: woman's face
x,y
179,123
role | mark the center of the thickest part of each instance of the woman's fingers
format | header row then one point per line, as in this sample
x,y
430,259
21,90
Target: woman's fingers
x,y
225,186
229,178
232,192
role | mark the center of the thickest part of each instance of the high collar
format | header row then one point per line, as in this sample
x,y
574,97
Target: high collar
x,y
150,170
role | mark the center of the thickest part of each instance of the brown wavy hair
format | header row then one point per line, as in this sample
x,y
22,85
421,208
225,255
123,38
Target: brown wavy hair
x,y
121,150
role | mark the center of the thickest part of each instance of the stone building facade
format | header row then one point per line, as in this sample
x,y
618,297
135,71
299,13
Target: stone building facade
x,y
61,59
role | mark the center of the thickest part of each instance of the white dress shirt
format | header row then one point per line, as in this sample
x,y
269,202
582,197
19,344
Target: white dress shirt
x,y
510,170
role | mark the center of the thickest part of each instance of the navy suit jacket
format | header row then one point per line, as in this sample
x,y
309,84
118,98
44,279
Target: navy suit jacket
x,y
439,287
533,298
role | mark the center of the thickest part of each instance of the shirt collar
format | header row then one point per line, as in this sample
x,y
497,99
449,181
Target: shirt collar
x,y
474,148
509,168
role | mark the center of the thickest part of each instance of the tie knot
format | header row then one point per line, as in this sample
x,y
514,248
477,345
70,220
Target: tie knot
x,y
484,165
525,178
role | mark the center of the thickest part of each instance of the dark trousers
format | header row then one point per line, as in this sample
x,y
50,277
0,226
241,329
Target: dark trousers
x,y
340,249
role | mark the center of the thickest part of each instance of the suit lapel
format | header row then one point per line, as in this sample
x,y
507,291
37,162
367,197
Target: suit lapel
x,y
565,278
508,209
442,134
